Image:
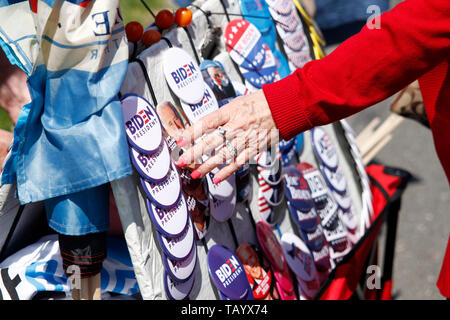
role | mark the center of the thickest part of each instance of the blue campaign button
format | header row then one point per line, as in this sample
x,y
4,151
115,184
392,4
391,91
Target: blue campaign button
x,y
227,272
266,74
308,221
296,189
257,12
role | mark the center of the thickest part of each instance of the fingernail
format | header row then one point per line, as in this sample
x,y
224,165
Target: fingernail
x,y
181,142
181,163
216,180
195,174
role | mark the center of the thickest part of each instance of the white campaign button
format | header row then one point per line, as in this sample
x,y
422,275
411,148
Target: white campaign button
x,y
223,190
335,179
324,148
164,194
183,75
222,209
297,59
288,22
178,248
198,110
295,39
154,167
142,125
177,290
298,257
349,219
344,201
181,271
172,222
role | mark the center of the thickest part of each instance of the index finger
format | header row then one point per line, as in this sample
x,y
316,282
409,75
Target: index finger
x,y
207,123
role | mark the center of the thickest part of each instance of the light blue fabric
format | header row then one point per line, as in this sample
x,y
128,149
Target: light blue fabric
x,y
79,213
70,137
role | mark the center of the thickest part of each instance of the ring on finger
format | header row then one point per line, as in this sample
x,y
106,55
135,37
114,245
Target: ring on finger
x,y
222,132
231,149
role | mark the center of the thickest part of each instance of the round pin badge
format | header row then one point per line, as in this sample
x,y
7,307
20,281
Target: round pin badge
x,y
272,175
180,271
335,179
178,290
295,39
222,208
183,75
288,22
308,221
270,37
274,195
171,222
267,159
257,13
164,194
322,259
198,110
296,189
142,125
349,219
265,210
324,148
244,44
344,201
297,58
281,64
223,190
316,183
178,248
271,246
265,74
227,272
314,240
288,156
281,6
154,167
298,257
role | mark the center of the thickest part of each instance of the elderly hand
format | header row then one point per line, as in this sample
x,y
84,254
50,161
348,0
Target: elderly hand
x,y
234,134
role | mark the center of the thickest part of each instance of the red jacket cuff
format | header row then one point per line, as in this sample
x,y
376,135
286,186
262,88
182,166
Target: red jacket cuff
x,y
285,102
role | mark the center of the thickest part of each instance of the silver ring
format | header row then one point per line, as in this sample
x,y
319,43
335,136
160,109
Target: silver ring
x,y
222,132
231,149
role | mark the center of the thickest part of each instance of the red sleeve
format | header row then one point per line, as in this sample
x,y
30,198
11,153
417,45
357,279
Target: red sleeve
x,y
367,68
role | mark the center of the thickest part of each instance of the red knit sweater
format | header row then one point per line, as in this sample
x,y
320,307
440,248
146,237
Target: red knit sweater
x,y
412,43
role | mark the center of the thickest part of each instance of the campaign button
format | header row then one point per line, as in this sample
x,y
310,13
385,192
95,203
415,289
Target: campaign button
x,y
288,156
222,209
154,167
349,219
296,189
263,75
314,240
270,37
288,22
344,201
180,271
285,284
297,58
274,195
285,146
274,253
177,290
324,148
198,110
267,159
308,221
308,289
183,75
272,175
298,257
200,219
223,190
142,125
170,222
178,248
295,39
265,210
244,43
281,64
227,272
322,259
329,215
282,6
257,13
335,179
164,194
336,237
316,183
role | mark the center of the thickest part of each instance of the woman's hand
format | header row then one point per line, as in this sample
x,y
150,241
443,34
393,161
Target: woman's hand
x,y
235,134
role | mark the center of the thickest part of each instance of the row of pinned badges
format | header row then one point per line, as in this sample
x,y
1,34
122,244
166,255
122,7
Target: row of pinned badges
x,y
290,30
161,183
